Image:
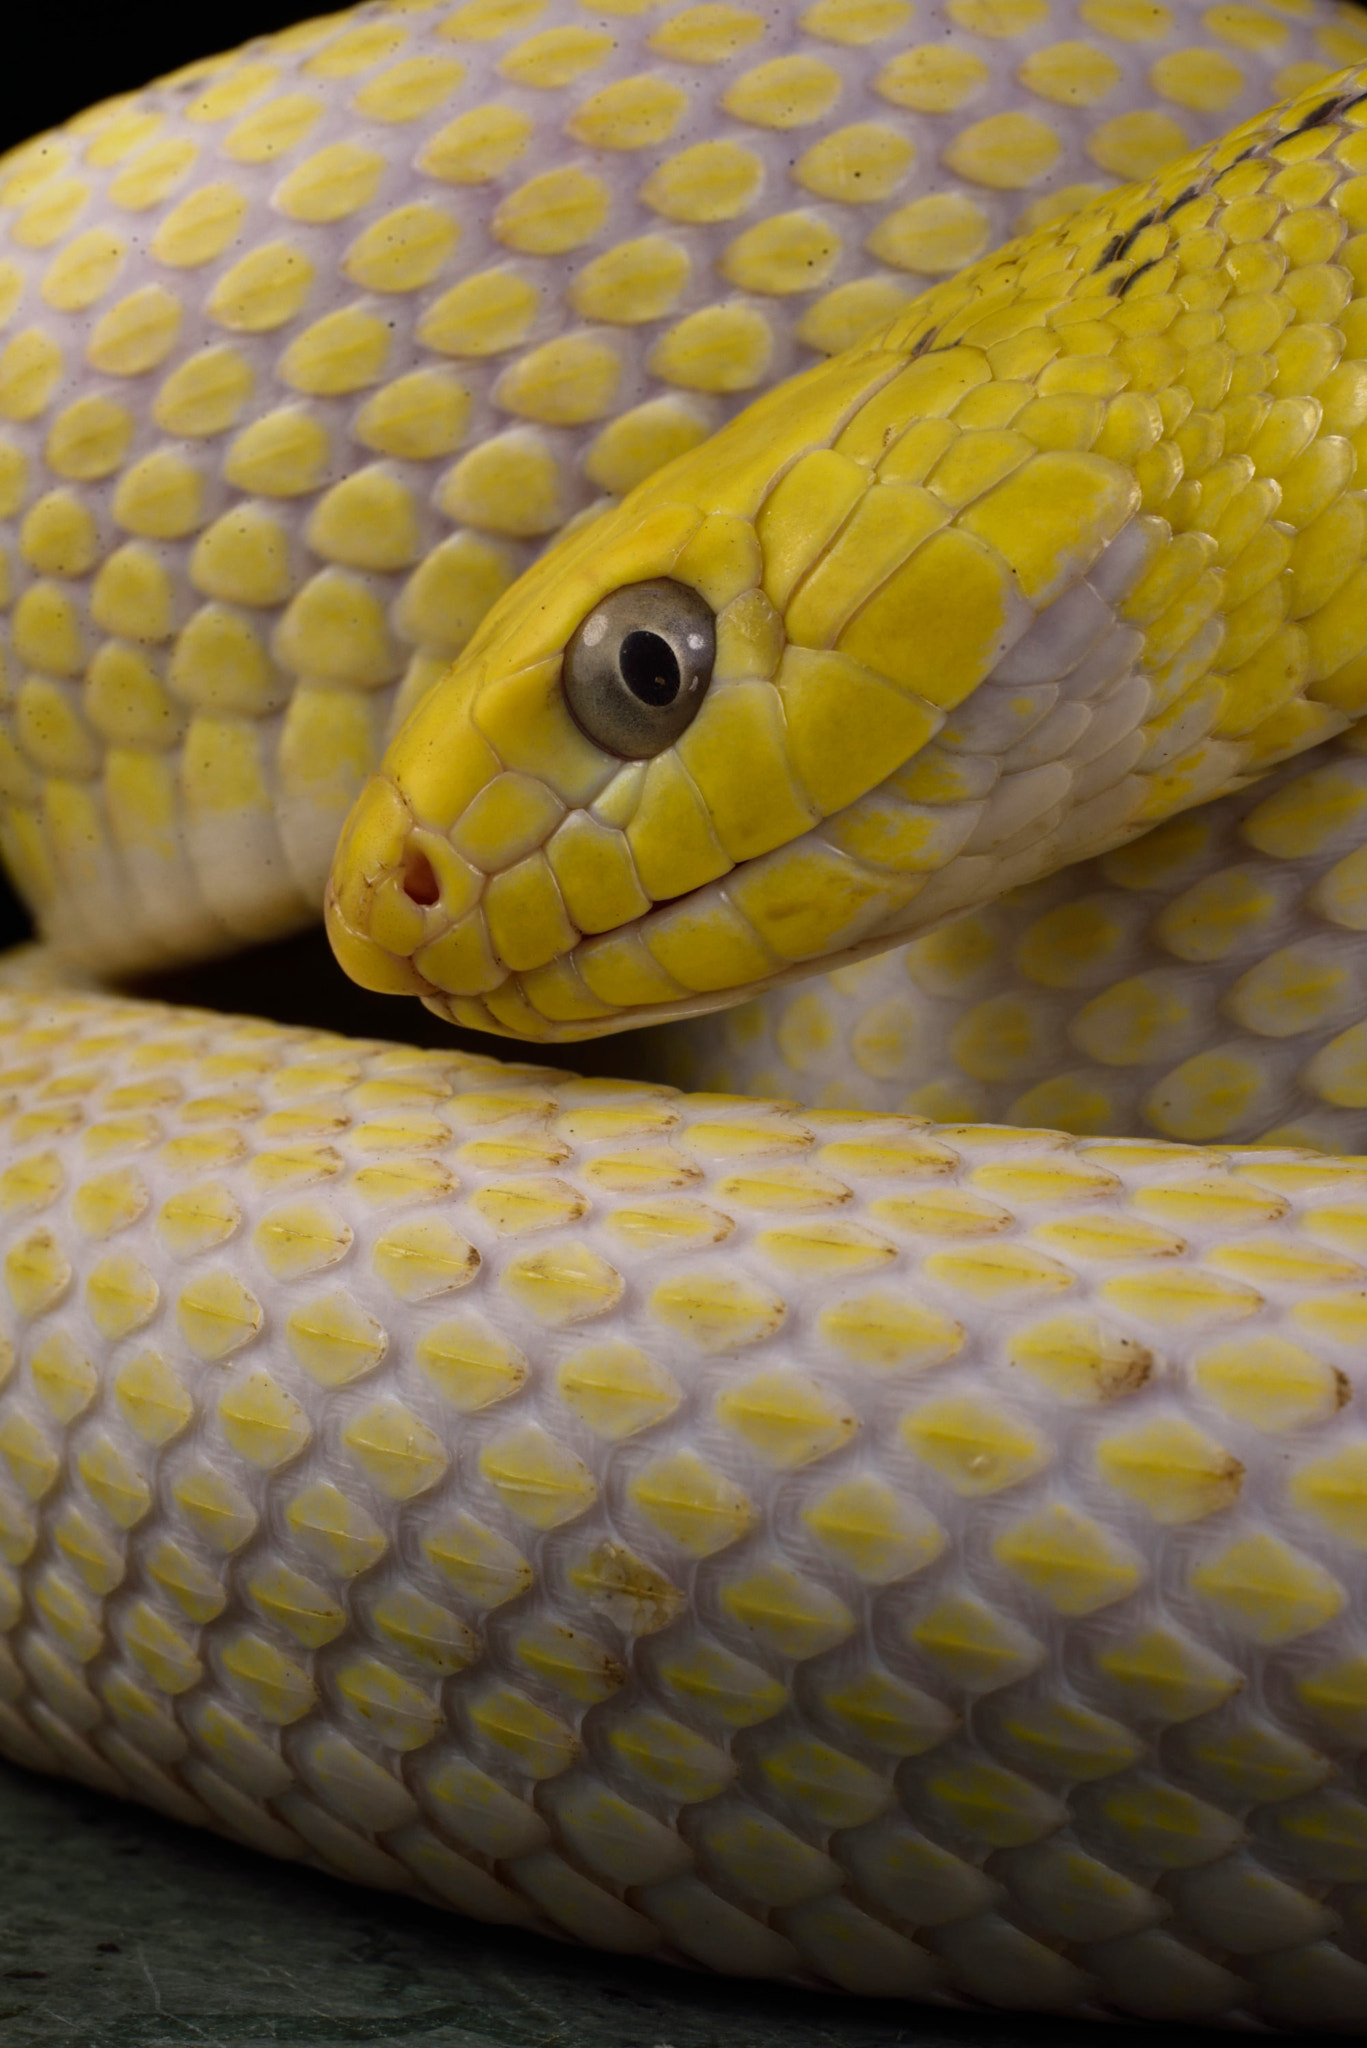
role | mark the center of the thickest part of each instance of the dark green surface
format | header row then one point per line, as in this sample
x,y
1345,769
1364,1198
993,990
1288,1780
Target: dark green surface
x,y
121,1930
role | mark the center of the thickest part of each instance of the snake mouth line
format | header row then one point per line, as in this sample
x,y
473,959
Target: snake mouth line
x,y
523,1002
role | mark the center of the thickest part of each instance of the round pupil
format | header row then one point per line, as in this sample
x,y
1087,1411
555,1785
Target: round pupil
x,y
650,668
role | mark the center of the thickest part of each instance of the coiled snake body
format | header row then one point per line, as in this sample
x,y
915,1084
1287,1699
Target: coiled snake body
x,y
915,1558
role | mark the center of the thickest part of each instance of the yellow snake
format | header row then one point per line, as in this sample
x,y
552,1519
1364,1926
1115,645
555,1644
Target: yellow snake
x,y
907,1557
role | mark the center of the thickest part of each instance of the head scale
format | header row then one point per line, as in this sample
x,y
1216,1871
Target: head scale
x,y
865,658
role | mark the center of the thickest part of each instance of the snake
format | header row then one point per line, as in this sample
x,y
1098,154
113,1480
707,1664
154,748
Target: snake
x,y
838,516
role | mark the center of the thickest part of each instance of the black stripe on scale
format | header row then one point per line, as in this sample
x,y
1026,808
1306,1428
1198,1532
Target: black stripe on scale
x,y
920,347
1326,111
1120,245
1183,199
1131,235
1316,118
1135,275
1117,247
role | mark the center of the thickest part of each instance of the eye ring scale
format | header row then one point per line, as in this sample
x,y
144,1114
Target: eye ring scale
x,y
637,668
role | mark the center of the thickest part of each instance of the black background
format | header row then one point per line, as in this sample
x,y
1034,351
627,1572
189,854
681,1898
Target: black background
x,y
60,59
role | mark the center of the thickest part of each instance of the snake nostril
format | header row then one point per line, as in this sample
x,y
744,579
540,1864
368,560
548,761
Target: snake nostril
x,y
420,884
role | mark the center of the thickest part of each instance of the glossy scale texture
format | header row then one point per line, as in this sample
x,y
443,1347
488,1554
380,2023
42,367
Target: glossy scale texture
x,y
900,1557
1067,547
305,352
919,1559
1205,982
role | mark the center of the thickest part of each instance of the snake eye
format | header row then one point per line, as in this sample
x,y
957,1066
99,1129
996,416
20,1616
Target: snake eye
x,y
638,667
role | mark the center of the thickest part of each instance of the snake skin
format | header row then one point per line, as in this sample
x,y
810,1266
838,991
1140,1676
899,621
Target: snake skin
x,y
304,351
917,1560
1066,548
1205,983
914,1559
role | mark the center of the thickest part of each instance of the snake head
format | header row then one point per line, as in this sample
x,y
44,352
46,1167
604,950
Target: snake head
x,y
849,667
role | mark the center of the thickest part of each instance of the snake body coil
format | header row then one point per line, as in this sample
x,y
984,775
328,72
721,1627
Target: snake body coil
x,y
921,1559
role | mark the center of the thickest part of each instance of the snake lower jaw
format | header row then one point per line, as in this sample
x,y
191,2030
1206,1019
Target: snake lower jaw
x,y
470,1014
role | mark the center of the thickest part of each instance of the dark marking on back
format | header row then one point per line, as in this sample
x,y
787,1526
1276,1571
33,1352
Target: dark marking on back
x,y
1135,275
1131,236
1316,118
1182,199
1119,245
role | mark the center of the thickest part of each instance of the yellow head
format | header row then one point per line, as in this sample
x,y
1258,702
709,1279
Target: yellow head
x,y
695,749
908,631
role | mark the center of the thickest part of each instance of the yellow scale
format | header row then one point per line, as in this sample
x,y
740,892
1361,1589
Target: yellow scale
x,y
910,1558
